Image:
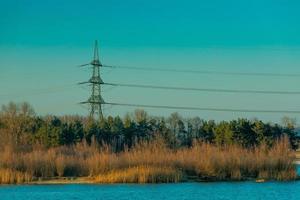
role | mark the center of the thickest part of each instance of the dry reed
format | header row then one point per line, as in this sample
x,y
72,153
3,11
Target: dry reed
x,y
150,162
141,174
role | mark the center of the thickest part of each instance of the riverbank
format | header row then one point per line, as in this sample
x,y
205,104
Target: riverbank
x,y
141,175
89,180
63,180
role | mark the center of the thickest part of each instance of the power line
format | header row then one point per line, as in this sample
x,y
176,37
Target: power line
x,y
205,108
66,87
205,71
204,89
93,101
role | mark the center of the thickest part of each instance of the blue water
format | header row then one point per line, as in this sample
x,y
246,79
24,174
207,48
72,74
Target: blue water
x,y
237,190
210,191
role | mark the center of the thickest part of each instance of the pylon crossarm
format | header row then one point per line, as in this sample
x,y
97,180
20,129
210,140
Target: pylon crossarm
x,y
85,82
93,82
96,63
85,65
92,102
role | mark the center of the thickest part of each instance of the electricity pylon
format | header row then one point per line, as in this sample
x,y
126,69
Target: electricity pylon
x,y
95,101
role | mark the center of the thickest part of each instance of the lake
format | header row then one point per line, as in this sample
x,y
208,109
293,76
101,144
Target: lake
x,y
223,190
218,190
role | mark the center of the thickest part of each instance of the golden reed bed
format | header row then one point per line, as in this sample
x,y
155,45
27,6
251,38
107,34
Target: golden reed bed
x,y
149,162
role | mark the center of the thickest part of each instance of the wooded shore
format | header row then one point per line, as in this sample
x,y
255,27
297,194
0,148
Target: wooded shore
x,y
141,149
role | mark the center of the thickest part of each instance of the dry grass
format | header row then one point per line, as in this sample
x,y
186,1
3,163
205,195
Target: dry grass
x,y
297,154
235,163
8,176
141,174
149,162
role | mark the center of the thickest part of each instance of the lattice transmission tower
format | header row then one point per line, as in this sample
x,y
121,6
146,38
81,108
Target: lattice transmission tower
x,y
95,101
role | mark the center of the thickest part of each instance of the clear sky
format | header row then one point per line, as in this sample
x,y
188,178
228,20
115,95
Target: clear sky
x,y
42,42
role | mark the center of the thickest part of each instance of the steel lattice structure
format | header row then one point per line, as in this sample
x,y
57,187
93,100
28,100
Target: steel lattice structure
x,y
95,101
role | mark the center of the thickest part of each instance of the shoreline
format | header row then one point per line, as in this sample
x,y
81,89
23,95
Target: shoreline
x,y
185,179
91,181
62,181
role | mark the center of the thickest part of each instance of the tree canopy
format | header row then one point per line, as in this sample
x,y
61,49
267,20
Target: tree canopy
x,y
20,126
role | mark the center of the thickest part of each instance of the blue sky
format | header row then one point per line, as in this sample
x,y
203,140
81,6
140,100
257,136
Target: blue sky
x,y
42,42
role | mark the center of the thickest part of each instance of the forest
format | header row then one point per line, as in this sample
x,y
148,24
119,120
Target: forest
x,y
142,148
20,126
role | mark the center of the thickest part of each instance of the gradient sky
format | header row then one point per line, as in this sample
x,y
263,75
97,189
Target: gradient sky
x,y
42,42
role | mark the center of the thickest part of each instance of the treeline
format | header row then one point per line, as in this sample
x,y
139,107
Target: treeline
x,y
22,128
